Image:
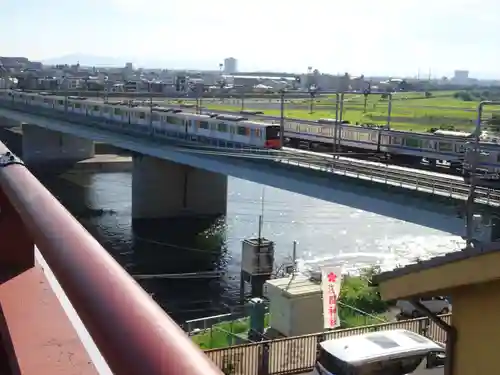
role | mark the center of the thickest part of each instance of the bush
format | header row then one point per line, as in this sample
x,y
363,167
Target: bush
x,y
358,292
464,95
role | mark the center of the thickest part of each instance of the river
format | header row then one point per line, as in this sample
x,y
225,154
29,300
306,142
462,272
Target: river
x,y
323,230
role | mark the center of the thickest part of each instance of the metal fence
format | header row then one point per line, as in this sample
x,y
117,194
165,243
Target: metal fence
x,y
294,355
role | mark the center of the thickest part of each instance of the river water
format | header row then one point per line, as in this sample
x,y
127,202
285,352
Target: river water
x,y
323,230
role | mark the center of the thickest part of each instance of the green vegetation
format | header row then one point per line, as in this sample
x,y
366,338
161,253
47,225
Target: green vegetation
x,y
417,112
356,296
225,334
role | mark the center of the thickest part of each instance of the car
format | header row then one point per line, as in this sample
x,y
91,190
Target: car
x,y
391,352
437,305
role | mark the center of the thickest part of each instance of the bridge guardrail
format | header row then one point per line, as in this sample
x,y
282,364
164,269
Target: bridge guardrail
x,y
133,334
391,176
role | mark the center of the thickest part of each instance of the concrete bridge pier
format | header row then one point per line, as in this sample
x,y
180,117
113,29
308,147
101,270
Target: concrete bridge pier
x,y
43,148
162,190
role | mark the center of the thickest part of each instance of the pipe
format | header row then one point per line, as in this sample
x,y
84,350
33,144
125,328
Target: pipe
x,y
132,332
451,335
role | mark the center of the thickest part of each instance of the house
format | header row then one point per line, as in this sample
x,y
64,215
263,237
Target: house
x,y
471,278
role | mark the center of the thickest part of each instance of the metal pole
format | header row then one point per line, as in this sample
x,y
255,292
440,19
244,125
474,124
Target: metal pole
x,y
473,178
150,109
389,112
294,255
337,122
132,332
282,118
311,109
341,114
201,98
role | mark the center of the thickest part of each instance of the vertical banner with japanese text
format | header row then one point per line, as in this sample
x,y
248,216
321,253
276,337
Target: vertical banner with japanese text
x,y
331,281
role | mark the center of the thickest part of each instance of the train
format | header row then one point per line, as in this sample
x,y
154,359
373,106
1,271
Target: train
x,y
222,130
240,131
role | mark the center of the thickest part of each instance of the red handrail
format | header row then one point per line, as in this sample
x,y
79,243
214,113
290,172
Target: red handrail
x,y
134,335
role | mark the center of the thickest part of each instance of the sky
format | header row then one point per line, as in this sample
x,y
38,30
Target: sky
x,y
371,37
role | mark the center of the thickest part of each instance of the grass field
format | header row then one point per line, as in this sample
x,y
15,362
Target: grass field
x,y
410,111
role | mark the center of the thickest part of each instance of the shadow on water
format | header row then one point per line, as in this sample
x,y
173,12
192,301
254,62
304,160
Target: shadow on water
x,y
152,247
102,203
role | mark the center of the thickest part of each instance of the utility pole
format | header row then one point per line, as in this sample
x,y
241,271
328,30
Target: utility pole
x,y
150,107
282,117
337,124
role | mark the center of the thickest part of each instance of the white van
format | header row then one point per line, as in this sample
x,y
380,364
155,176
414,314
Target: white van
x,y
395,352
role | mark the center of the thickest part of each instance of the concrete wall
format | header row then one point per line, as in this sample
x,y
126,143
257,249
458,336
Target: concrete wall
x,y
476,318
163,189
43,147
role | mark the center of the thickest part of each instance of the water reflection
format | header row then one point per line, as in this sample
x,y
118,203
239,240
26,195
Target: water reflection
x,y
102,202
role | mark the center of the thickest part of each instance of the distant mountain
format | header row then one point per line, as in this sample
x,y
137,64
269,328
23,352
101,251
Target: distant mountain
x,y
106,61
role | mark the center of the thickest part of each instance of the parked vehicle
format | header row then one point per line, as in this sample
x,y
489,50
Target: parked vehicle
x,y
394,352
437,305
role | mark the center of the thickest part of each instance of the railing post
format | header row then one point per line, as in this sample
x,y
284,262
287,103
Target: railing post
x,y
16,245
264,359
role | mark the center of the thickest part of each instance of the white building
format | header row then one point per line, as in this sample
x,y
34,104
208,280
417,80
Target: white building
x,y
230,65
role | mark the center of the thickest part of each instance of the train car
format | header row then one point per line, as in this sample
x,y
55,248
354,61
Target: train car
x,y
238,131
409,145
234,131
324,133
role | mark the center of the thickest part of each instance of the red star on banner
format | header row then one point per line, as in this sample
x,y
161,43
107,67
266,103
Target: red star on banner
x,y
332,277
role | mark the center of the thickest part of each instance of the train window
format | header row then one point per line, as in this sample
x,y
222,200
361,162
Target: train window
x,y
174,120
241,130
412,142
96,108
117,111
428,144
498,158
257,133
272,132
222,127
204,125
397,141
445,146
142,115
78,105
60,102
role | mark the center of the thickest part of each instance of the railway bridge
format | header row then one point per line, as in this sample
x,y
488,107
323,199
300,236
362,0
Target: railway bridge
x,y
173,177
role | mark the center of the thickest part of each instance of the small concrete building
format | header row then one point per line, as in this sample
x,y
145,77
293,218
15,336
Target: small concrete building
x,y
471,278
295,305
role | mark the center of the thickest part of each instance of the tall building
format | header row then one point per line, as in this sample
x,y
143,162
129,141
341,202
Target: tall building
x,y
461,77
230,65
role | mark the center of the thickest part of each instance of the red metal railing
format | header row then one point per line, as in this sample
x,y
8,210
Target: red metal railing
x,y
132,332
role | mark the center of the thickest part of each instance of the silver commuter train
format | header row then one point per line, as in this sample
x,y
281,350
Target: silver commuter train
x,y
438,146
228,131
233,130
442,145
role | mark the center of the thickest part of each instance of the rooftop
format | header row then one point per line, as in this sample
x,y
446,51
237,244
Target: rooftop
x,y
438,261
363,347
296,286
